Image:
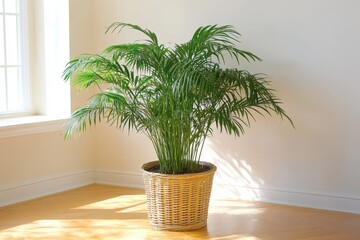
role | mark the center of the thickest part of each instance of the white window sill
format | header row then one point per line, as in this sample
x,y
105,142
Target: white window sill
x,y
12,127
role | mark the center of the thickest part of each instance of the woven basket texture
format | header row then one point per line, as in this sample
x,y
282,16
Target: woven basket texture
x,y
178,202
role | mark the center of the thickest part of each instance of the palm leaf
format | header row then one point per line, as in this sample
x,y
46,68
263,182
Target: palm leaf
x,y
176,95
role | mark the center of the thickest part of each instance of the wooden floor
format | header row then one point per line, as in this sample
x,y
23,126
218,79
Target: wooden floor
x,y
108,212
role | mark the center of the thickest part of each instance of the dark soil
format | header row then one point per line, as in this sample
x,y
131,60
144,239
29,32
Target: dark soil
x,y
202,168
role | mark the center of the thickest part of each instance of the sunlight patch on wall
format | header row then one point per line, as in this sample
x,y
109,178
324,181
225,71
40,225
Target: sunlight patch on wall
x,y
234,177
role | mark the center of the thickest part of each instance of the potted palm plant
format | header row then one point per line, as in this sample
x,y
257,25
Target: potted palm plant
x,y
176,95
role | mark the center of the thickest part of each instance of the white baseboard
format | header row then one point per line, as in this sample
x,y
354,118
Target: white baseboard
x,y
119,178
42,187
45,186
288,197
301,199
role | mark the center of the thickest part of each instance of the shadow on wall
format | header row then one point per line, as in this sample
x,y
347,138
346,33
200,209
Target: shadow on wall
x,y
234,178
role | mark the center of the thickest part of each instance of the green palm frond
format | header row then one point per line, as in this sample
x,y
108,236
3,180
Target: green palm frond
x,y
175,95
118,26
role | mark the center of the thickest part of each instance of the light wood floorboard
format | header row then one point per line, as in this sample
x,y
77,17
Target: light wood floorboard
x,y
110,212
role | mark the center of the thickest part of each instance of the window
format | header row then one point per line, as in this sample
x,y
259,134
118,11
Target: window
x,y
34,48
13,58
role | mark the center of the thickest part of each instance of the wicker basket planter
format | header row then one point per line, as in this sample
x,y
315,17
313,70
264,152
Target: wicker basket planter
x,y
178,202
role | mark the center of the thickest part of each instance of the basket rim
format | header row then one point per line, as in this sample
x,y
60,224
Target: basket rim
x,y
151,164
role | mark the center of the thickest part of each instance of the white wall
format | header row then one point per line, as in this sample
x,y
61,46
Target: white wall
x,y
34,165
310,51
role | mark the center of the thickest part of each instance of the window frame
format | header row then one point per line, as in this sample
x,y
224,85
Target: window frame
x,y
49,97
23,89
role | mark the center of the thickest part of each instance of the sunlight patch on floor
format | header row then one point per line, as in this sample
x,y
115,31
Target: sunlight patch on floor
x,y
238,237
123,203
64,229
233,208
